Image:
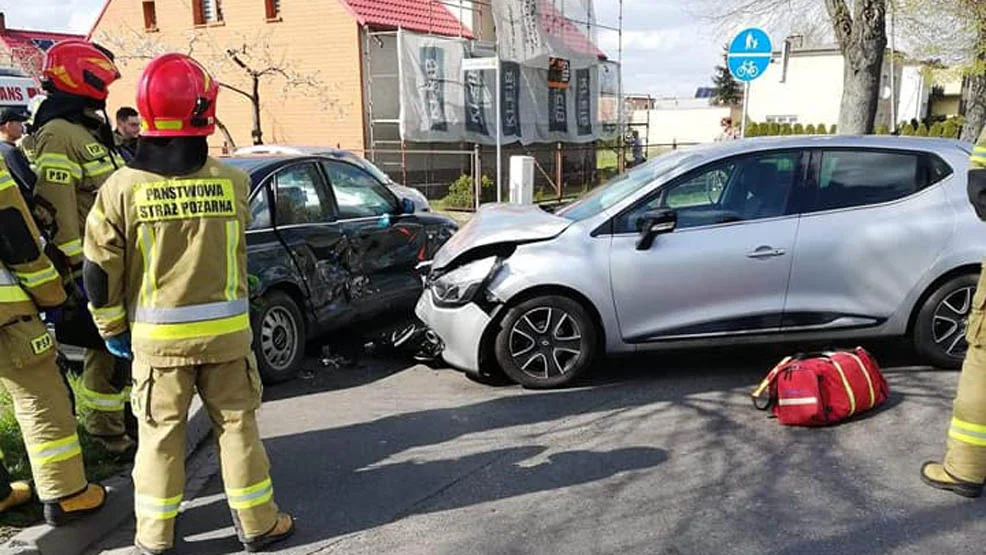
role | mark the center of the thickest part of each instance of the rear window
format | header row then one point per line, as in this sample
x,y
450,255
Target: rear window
x,y
849,178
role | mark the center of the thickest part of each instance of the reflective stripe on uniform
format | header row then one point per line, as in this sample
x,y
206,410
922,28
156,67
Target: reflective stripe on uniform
x,y
98,168
71,248
193,313
12,294
148,290
252,496
160,508
55,451
967,432
109,314
37,279
103,402
6,181
192,330
60,162
232,264
7,278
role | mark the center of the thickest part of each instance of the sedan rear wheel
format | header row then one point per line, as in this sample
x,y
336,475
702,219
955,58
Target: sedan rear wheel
x,y
939,333
279,338
546,342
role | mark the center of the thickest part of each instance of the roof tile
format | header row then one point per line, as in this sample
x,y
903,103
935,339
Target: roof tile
x,y
426,16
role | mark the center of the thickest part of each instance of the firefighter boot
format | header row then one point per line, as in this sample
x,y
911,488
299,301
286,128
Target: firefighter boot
x,y
74,507
935,475
20,493
282,530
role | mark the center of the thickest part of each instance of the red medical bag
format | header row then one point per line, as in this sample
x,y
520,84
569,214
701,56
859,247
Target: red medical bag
x,y
820,389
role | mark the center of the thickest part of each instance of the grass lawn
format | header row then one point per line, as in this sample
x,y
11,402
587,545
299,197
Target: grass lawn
x,y
99,464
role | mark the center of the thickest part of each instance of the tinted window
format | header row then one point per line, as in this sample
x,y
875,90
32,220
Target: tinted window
x,y
741,189
260,210
300,198
854,178
358,195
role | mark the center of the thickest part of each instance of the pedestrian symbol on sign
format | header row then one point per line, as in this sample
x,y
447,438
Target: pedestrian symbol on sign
x,y
751,42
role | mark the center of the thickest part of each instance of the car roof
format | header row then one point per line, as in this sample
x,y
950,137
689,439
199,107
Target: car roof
x,y
730,148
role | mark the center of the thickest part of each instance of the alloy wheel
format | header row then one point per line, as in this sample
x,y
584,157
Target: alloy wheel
x,y
279,338
546,342
950,320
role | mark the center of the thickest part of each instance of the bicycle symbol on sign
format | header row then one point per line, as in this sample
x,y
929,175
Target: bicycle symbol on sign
x,y
747,69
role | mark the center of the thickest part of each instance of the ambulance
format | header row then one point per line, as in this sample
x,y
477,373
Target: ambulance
x,y
16,89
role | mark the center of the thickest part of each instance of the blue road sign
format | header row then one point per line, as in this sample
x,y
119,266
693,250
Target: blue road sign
x,y
749,54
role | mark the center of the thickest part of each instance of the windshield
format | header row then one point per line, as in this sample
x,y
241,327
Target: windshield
x,y
614,191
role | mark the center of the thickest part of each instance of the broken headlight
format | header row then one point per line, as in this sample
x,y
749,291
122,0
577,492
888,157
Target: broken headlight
x,y
460,286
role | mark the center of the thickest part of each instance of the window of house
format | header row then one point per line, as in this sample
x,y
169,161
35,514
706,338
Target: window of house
x,y
207,11
273,9
150,16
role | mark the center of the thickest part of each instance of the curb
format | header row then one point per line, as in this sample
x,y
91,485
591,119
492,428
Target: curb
x,y
76,538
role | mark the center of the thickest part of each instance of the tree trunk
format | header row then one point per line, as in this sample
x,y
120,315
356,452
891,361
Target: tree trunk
x,y
863,41
975,90
258,133
226,135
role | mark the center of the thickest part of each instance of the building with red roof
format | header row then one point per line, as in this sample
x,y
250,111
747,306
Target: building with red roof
x,y
25,49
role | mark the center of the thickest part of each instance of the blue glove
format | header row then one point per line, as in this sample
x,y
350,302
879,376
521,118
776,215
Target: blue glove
x,y
119,346
53,315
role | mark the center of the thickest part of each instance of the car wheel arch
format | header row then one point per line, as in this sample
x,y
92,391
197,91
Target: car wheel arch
x,y
971,269
294,291
542,291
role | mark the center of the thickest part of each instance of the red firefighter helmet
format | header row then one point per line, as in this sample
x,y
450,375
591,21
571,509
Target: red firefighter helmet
x,y
80,68
176,97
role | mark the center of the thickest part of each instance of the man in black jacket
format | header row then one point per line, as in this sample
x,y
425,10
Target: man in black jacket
x,y
11,130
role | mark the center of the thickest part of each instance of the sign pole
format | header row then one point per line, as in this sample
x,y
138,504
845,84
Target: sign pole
x,y
746,110
499,136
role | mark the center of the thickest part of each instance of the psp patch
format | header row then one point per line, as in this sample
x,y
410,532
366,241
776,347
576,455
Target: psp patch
x,y
42,344
55,175
185,200
95,150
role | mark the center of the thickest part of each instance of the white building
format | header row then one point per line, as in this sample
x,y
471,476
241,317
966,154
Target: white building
x,y
682,121
805,86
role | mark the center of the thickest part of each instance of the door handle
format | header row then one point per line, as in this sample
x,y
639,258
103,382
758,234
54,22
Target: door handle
x,y
765,252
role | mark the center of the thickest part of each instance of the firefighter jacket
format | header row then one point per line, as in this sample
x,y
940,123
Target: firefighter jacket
x,y
27,278
977,177
71,165
166,258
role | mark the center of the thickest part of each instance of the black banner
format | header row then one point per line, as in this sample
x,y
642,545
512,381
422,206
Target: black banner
x,y
583,101
475,105
557,110
433,68
510,95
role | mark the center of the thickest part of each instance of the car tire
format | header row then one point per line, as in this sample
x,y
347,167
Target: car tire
x,y
546,342
278,337
939,331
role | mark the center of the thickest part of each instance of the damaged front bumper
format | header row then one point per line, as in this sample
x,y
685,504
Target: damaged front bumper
x,y
460,329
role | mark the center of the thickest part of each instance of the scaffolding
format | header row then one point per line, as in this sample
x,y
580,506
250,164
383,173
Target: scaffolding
x,y
385,145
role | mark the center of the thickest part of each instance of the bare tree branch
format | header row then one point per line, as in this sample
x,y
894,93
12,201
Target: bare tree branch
x,y
842,22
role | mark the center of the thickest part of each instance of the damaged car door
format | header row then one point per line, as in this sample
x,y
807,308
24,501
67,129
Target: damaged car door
x,y
306,221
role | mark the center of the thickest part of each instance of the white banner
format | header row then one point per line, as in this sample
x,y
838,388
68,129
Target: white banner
x,y
442,103
532,31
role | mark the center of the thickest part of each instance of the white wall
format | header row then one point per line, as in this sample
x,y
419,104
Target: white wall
x,y
811,91
682,125
914,91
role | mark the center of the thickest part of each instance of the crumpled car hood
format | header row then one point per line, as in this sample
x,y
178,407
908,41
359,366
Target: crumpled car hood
x,y
501,224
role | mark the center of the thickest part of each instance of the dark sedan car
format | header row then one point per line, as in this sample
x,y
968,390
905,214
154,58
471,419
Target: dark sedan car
x,y
330,248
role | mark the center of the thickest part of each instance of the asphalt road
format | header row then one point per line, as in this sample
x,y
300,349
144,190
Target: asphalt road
x,y
660,454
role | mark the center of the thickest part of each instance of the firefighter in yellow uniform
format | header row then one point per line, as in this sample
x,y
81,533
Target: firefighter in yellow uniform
x,y
165,271
964,469
73,153
28,371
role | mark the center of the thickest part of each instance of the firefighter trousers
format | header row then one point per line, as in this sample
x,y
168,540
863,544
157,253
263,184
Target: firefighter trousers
x,y
103,393
965,455
231,392
30,374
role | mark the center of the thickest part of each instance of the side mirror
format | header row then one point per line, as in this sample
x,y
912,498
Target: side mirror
x,y
407,206
654,223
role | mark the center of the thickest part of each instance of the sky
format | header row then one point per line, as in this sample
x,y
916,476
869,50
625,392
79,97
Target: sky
x,y
666,51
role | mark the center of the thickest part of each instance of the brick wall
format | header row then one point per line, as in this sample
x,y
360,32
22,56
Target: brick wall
x,y
315,36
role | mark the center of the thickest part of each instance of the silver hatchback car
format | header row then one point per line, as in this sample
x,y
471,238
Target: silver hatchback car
x,y
833,239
